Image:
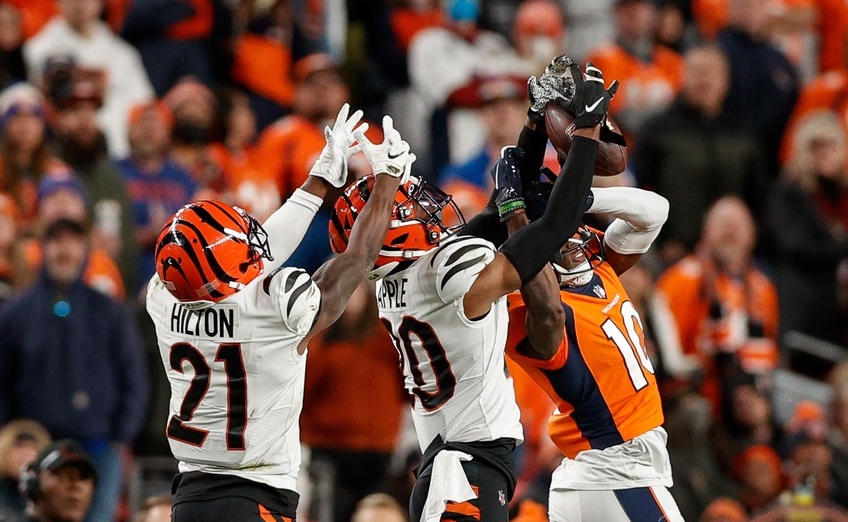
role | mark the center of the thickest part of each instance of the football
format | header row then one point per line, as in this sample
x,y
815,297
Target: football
x,y
612,158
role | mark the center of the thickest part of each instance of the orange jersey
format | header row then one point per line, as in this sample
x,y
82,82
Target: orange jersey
x,y
600,379
264,65
287,150
644,85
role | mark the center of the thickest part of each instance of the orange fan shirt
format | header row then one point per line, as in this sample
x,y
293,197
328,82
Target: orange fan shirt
x,y
264,65
689,289
600,379
643,85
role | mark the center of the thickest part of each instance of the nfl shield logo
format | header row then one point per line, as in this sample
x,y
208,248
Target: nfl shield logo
x,y
599,291
501,497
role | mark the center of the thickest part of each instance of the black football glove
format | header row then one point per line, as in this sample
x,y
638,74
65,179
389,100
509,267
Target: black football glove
x,y
507,177
591,100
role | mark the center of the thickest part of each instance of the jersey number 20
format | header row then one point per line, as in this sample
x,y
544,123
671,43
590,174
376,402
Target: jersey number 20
x,y
230,355
435,355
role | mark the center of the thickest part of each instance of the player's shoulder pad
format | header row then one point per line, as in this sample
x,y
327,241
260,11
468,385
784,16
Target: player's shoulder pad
x,y
296,295
458,263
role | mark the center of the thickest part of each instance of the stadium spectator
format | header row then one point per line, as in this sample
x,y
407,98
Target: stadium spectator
x,y
25,154
695,152
351,435
502,107
249,185
75,95
809,206
763,84
746,420
12,68
193,106
156,185
758,471
8,242
77,380
171,39
674,29
58,485
62,196
378,507
715,313
826,92
588,23
155,509
825,19
79,32
21,441
411,17
442,62
650,74
537,32
263,58
838,436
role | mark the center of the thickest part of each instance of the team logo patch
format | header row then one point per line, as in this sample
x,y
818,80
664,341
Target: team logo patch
x,y
599,291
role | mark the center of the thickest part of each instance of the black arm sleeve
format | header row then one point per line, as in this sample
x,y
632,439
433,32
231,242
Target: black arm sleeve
x,y
532,247
487,224
533,143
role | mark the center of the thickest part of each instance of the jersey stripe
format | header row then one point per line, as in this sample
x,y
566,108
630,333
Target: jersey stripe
x,y
575,384
454,243
292,278
460,267
297,293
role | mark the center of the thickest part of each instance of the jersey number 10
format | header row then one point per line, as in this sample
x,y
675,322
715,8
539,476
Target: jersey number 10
x,y
630,349
230,355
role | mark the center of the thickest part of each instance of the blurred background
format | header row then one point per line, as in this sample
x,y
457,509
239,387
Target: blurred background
x,y
115,113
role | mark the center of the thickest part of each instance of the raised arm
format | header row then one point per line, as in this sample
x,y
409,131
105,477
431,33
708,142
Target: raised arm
x,y
639,214
525,253
288,224
545,318
339,277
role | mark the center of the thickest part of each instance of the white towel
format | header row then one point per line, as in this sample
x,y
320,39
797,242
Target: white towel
x,y
447,483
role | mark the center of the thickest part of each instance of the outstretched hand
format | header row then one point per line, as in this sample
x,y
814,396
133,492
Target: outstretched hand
x,y
331,164
591,99
391,157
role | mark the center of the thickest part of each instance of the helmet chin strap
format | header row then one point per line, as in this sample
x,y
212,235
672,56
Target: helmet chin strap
x,y
578,276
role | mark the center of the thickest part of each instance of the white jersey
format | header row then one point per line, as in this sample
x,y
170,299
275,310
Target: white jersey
x,y
453,366
236,377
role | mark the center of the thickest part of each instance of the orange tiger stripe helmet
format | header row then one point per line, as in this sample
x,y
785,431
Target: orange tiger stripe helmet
x,y
416,224
210,250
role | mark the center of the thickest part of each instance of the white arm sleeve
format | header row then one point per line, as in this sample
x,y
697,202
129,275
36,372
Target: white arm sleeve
x,y
639,214
287,226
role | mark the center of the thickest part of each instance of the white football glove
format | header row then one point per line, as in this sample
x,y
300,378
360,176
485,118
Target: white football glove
x,y
331,164
391,157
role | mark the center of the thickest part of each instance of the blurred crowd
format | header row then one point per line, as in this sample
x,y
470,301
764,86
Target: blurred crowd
x,y
115,113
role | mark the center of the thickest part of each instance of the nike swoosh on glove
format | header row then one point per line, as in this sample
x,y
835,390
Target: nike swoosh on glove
x,y
591,100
